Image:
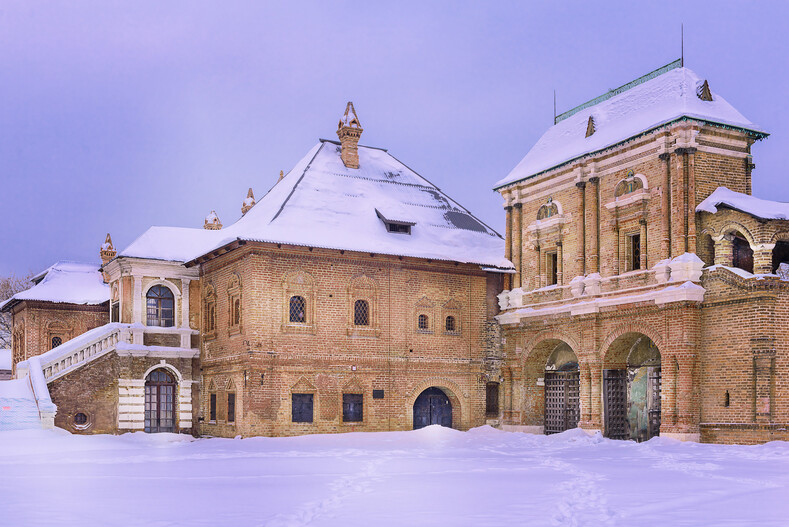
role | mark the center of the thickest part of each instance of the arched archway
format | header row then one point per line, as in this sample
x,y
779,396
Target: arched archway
x,y
562,390
160,391
432,407
632,388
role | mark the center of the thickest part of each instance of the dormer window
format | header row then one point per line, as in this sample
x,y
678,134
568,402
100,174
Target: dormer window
x,y
395,226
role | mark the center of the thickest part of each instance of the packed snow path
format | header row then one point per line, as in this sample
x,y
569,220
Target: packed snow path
x,y
433,476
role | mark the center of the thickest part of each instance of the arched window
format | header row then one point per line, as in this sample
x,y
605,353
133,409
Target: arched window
x,y
298,309
450,324
361,313
547,210
628,185
160,306
56,341
423,322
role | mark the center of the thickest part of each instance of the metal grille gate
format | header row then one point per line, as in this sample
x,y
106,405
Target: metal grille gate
x,y
653,401
562,403
615,398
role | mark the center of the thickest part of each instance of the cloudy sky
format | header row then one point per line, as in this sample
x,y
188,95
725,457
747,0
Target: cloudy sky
x,y
115,116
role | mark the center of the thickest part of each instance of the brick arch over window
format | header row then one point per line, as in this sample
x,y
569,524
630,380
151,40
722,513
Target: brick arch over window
x,y
550,210
630,184
209,311
299,284
734,227
363,306
460,418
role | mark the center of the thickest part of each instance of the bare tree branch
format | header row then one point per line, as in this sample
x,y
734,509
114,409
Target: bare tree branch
x,y
9,285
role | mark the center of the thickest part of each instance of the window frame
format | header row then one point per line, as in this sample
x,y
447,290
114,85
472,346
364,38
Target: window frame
x,y
156,319
365,313
303,398
212,407
633,251
305,312
420,327
231,408
347,415
552,267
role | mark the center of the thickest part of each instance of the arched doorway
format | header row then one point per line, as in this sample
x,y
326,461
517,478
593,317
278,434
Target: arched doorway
x,y
432,407
632,388
159,401
562,387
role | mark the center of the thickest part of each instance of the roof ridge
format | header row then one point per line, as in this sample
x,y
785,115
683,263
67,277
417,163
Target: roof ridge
x,y
616,91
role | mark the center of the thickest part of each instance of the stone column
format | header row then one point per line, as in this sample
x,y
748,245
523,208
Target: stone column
x,y
538,278
137,301
508,244
582,234
593,224
763,258
724,250
186,336
517,249
559,264
643,237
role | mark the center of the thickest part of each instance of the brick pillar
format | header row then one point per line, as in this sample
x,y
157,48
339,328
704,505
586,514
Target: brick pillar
x,y
582,235
517,246
691,153
724,250
585,395
665,205
763,381
596,382
592,224
687,405
538,277
643,237
763,258
559,264
668,391
508,244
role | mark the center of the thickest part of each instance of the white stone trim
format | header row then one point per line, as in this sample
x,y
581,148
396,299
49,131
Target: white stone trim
x,y
526,429
696,438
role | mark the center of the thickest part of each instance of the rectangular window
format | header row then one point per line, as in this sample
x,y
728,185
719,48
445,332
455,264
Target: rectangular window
x,y
634,249
352,404
231,407
212,408
492,399
301,410
115,312
552,268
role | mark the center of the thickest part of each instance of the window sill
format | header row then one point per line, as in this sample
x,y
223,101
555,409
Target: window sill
x,y
363,331
298,328
424,331
453,333
209,336
234,330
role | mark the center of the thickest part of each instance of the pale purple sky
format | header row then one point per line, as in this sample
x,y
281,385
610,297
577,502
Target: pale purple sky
x,y
115,116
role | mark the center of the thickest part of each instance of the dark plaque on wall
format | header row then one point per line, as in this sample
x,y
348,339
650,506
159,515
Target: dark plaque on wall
x,y
378,394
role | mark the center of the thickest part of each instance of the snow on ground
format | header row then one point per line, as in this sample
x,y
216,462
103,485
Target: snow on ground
x,y
433,476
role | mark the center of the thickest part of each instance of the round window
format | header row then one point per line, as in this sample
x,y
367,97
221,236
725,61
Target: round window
x,y
80,418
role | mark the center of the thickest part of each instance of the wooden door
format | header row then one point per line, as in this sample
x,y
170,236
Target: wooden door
x,y
432,407
159,402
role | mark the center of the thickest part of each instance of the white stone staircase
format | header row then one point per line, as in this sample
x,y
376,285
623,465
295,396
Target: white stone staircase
x,y
18,406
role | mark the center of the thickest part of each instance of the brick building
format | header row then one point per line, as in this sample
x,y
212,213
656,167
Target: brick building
x,y
355,295
645,300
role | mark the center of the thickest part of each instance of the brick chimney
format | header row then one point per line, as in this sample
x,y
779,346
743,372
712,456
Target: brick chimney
x,y
248,203
212,222
349,131
107,253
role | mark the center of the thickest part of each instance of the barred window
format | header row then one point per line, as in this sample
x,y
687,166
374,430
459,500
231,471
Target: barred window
x,y
236,311
361,313
210,316
301,407
298,309
450,324
160,307
212,408
423,322
56,341
352,407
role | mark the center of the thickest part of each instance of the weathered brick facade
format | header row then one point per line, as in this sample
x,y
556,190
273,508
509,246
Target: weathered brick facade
x,y
266,358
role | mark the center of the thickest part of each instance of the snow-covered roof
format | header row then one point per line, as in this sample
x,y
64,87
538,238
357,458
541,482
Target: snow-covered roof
x,y
760,208
66,282
322,203
5,359
663,96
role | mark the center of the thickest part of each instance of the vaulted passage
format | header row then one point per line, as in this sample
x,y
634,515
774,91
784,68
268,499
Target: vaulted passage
x,y
562,382
631,388
432,407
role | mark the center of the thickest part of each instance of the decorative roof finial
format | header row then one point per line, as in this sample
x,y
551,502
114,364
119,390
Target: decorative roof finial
x,y
212,222
248,203
107,253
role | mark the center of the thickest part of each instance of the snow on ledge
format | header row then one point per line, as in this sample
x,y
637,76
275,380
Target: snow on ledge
x,y
760,208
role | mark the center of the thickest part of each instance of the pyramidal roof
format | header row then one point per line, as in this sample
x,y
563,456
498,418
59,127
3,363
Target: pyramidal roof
x,y
662,96
323,203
